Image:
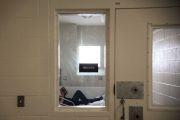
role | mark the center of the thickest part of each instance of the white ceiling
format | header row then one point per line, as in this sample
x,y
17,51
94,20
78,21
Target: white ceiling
x,y
83,19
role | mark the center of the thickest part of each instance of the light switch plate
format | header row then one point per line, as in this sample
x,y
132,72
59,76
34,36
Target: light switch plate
x,y
130,90
20,101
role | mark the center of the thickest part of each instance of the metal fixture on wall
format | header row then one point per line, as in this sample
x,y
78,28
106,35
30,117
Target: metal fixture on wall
x,y
130,90
135,113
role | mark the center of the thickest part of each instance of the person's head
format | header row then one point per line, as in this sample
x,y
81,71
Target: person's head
x,y
63,91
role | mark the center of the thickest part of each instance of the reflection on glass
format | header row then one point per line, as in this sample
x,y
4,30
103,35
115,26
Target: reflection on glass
x,y
82,39
165,66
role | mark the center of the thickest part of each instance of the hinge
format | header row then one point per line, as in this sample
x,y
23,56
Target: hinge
x,y
114,89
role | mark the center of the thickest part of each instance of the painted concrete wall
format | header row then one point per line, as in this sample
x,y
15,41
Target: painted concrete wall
x,y
24,59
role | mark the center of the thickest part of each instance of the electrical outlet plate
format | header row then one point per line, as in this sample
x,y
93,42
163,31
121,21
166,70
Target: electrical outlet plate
x,y
130,90
135,113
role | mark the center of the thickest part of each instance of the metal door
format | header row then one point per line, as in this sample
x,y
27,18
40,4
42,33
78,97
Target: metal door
x,y
132,61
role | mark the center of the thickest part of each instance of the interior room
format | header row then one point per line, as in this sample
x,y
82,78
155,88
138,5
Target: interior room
x,y
89,60
85,45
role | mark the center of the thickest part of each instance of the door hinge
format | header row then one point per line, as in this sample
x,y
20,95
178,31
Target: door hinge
x,y
114,89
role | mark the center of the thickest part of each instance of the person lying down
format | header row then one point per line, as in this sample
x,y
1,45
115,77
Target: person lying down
x,y
78,98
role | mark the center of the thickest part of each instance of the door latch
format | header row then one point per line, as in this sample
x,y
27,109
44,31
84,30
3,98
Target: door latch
x,y
122,101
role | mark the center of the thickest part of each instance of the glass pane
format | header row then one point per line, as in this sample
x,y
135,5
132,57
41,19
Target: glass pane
x,y
166,66
82,59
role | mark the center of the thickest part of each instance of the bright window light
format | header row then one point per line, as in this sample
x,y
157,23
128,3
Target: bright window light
x,y
89,54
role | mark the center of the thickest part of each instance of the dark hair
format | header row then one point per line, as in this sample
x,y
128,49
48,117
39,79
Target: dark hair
x,y
63,90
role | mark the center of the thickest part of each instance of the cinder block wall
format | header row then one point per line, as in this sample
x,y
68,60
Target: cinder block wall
x,y
80,35
166,66
24,59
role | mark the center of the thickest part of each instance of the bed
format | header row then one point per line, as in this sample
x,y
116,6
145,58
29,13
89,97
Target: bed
x,y
89,92
96,103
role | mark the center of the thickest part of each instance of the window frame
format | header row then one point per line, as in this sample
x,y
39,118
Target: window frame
x,y
84,109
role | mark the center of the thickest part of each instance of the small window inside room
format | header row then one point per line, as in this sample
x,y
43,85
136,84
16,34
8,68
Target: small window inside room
x,y
166,66
89,54
82,59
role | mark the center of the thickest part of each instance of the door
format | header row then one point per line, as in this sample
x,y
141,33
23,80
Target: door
x,y
133,61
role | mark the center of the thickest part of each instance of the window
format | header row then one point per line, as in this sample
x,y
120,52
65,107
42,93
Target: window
x,y
92,55
166,66
89,54
82,41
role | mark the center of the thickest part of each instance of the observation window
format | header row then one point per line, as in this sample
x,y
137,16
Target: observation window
x,y
166,66
82,59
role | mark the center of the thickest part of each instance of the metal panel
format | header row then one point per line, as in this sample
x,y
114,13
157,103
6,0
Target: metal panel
x,y
130,90
135,113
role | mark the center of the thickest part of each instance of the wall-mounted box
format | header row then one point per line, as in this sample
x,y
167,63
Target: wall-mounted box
x,y
130,90
135,113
